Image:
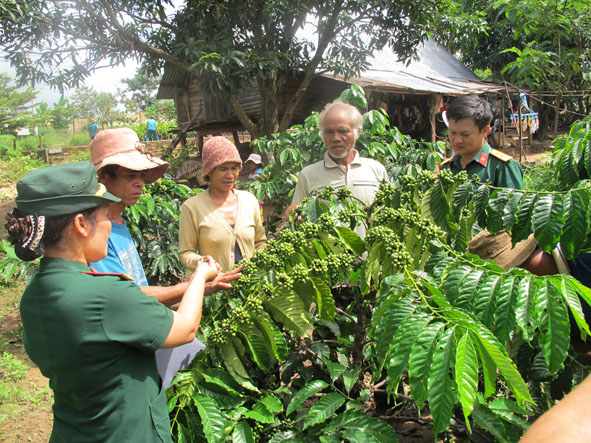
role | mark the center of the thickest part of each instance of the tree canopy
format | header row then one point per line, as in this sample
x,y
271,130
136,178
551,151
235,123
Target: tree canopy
x,y
15,105
227,45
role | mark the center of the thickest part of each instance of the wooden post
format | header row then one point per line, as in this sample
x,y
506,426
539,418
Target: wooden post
x,y
502,128
519,132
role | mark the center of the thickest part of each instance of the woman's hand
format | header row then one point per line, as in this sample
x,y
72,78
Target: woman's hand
x,y
207,267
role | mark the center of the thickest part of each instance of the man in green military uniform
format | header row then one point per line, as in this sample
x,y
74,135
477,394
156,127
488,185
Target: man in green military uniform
x,y
469,121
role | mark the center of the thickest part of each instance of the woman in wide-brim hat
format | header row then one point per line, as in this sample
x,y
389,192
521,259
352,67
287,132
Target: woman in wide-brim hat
x,y
93,335
221,221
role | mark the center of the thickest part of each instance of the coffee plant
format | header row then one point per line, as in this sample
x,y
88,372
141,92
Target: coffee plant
x,y
331,337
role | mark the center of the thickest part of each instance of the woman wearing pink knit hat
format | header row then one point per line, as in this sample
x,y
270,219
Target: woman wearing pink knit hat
x,y
222,221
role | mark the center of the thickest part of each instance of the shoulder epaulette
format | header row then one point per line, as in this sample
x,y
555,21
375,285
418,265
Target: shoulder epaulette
x,y
446,161
500,155
112,274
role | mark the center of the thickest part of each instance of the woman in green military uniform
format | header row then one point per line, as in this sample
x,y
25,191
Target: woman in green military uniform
x,y
93,335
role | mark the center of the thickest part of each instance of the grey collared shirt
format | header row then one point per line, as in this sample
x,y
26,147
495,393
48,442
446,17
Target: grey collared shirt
x,y
363,177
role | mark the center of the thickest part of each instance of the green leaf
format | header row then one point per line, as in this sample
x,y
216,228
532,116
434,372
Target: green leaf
x,y
571,298
350,378
461,197
373,428
221,378
351,240
504,313
288,436
401,345
234,365
481,203
257,344
242,433
275,338
260,413
287,308
510,209
452,282
554,325
211,417
576,221
496,206
272,403
488,420
324,408
419,361
485,300
324,300
371,267
388,326
442,394
525,315
436,207
548,220
304,393
495,353
334,368
522,227
466,375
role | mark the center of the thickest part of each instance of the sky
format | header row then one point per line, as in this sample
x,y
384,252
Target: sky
x,y
105,80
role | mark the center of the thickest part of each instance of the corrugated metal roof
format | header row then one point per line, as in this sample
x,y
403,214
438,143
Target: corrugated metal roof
x,y
434,70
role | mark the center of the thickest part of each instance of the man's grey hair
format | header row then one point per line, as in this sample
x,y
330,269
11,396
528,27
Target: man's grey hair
x,y
355,117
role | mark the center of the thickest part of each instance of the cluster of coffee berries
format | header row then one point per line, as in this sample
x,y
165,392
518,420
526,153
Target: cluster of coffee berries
x,y
400,257
339,262
326,223
344,193
426,179
345,215
281,250
379,234
385,193
300,273
326,193
292,237
308,230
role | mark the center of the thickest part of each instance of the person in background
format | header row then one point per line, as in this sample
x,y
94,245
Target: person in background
x,y
92,129
469,120
123,167
152,130
254,165
221,221
93,335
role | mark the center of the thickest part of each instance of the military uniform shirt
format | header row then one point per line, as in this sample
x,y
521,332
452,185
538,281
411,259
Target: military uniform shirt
x,y
490,164
94,337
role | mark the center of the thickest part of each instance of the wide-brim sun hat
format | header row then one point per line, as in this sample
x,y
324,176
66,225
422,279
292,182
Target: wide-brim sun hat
x,y
60,190
499,248
122,147
217,151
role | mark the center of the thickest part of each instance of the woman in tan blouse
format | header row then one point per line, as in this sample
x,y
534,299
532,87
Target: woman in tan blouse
x,y
222,222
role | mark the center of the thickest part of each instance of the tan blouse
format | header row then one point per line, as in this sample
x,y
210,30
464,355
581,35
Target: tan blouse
x,y
204,231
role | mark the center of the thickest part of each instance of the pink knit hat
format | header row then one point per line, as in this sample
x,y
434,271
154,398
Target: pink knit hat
x,y
217,151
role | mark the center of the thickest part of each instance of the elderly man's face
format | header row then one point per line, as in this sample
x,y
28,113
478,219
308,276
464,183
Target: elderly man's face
x,y
339,136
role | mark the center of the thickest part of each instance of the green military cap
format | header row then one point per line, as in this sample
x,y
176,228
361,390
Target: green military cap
x,y
61,190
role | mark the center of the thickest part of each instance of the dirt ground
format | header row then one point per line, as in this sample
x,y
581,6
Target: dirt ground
x,y
26,416
30,417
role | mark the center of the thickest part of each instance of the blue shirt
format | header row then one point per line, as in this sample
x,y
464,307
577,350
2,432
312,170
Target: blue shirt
x,y
93,128
151,123
122,254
